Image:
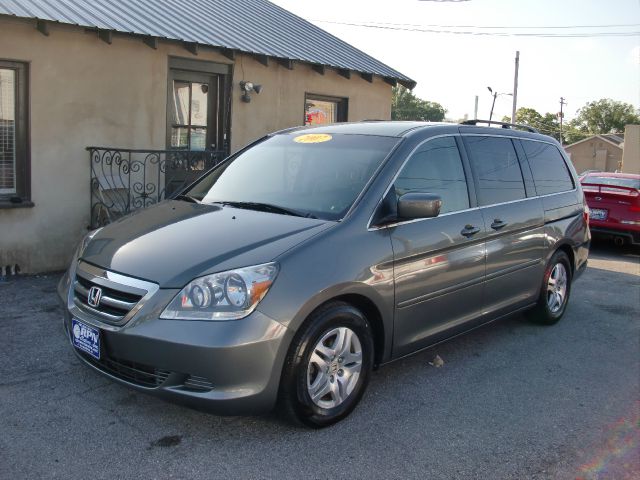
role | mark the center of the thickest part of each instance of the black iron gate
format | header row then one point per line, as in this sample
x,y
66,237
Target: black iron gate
x,y
124,180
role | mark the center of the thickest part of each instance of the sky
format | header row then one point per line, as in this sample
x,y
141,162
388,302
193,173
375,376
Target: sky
x,y
452,69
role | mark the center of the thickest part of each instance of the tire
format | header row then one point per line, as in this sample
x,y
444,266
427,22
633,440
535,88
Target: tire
x,y
318,363
555,291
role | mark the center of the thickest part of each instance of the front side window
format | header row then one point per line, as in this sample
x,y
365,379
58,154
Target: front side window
x,y
497,169
436,167
550,174
14,183
314,175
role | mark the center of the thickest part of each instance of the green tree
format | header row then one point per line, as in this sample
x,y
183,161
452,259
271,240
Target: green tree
x,y
604,116
406,106
547,123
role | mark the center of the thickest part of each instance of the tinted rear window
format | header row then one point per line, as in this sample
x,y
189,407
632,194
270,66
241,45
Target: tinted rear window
x,y
550,173
496,165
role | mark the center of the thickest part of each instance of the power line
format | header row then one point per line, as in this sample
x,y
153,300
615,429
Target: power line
x,y
497,27
493,34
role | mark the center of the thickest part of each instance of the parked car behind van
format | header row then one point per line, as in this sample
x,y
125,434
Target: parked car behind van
x,y
614,205
289,272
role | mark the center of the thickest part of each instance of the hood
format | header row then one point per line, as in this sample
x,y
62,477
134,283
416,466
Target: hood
x,y
174,242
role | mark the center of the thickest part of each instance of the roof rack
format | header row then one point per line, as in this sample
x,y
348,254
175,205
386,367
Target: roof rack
x,y
503,124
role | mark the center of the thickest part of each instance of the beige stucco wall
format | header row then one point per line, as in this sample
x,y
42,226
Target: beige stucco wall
x,y
631,153
595,154
84,91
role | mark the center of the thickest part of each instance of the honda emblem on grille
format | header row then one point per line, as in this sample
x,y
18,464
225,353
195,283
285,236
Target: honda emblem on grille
x,y
94,296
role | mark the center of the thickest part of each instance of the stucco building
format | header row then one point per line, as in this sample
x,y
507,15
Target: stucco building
x,y
608,152
169,88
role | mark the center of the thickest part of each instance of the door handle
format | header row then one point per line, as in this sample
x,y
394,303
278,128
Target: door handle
x,y
498,224
469,231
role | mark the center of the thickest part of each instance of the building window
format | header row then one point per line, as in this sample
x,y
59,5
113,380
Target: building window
x,y
14,161
319,109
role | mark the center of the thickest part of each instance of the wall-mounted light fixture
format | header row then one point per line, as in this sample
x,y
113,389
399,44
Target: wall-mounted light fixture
x,y
248,87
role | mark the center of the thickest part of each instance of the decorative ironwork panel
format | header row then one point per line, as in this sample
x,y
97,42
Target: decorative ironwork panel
x,y
124,180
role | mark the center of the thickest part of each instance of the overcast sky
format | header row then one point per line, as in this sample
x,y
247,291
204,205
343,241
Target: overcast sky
x,y
453,68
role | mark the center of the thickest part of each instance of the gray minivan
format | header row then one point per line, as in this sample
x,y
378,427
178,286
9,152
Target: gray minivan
x,y
290,271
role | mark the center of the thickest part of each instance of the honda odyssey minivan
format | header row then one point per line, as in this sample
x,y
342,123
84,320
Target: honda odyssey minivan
x,y
290,271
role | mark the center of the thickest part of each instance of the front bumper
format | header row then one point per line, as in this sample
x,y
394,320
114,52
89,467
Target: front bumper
x,y
229,367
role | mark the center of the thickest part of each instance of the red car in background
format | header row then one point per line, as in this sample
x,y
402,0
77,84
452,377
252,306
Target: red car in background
x,y
614,205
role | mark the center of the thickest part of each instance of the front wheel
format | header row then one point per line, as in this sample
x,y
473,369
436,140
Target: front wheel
x,y
554,295
328,366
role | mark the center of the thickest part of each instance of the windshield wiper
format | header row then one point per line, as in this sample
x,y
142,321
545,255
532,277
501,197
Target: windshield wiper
x,y
186,198
267,207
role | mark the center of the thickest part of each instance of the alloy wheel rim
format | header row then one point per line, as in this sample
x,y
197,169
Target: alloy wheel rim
x,y
334,367
557,288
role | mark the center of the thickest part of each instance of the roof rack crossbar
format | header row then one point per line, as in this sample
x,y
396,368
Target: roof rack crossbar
x,y
503,124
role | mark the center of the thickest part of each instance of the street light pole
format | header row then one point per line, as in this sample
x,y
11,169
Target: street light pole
x,y
494,95
493,104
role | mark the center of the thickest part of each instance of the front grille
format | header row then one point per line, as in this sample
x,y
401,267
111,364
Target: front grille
x,y
136,373
120,294
198,384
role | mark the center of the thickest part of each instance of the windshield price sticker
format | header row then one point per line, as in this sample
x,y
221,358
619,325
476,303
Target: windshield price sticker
x,y
313,138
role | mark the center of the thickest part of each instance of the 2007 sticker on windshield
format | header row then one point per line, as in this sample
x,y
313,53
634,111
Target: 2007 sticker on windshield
x,y
313,138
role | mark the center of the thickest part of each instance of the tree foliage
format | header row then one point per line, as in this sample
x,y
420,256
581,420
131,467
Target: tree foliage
x,y
547,123
406,106
604,116
598,117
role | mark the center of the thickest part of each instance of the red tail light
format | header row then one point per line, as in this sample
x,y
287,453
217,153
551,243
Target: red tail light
x,y
585,213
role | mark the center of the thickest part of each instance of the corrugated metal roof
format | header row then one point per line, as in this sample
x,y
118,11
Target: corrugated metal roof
x,y
252,26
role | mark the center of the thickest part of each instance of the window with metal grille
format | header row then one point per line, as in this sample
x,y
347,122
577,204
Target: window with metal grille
x,y
13,133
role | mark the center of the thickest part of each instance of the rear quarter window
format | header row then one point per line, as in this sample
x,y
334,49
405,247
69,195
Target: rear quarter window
x,y
550,173
497,168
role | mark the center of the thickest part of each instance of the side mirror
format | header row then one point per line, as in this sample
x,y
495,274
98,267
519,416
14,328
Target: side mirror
x,y
414,205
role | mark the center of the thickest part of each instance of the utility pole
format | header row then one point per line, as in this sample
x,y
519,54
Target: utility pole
x,y
515,88
561,115
475,110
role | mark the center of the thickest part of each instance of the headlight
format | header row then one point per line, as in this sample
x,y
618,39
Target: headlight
x,y
222,296
85,241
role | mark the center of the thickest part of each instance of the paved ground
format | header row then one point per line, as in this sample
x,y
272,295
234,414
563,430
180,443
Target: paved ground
x,y
512,401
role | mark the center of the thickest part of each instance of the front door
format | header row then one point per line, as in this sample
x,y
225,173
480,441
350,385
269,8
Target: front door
x,y
439,263
196,130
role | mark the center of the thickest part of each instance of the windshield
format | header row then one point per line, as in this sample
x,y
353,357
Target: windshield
x,y
613,181
313,175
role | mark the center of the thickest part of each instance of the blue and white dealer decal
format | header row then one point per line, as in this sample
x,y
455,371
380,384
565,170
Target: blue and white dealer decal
x,y
85,338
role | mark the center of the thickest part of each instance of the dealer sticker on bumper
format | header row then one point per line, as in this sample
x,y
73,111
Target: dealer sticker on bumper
x,y
85,338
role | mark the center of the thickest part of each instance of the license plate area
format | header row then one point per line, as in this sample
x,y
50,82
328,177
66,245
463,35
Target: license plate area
x,y
598,213
85,338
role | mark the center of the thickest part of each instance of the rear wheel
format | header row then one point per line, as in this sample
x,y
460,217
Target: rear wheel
x,y
555,291
328,367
